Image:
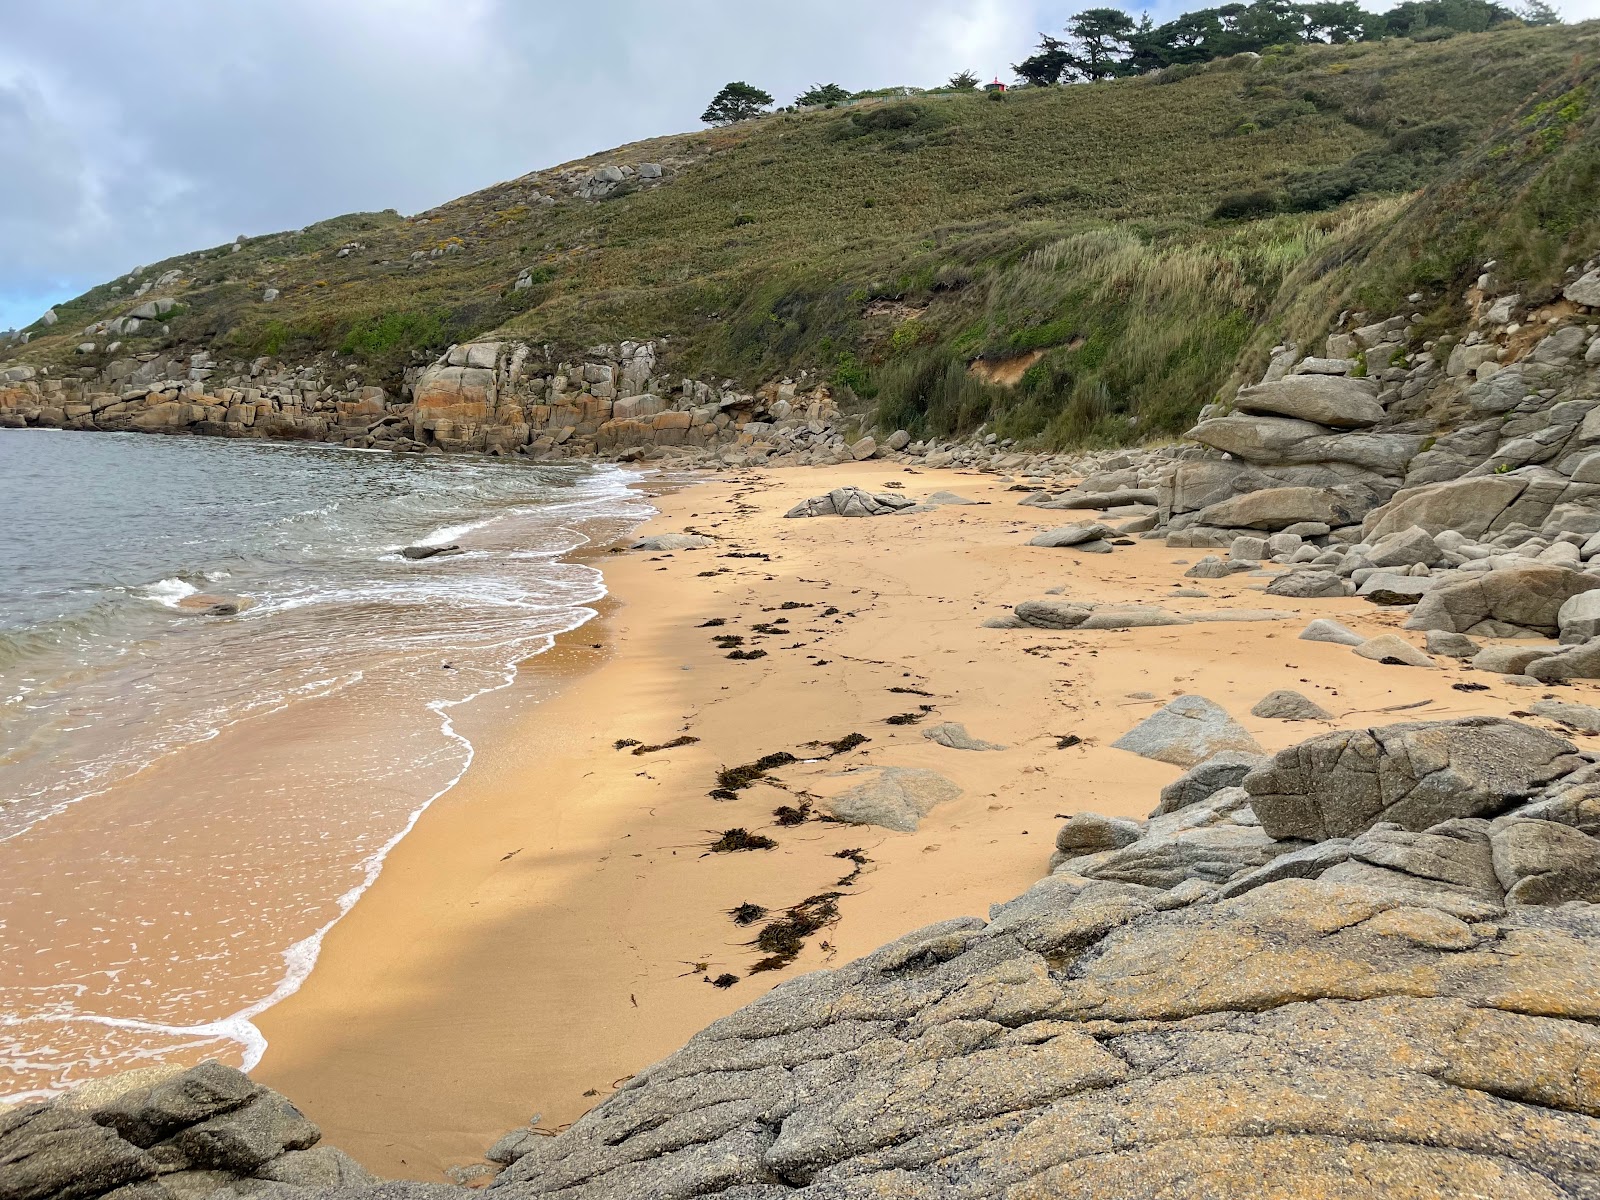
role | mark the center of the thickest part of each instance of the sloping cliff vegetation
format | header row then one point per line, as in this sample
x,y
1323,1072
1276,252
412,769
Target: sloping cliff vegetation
x,y
1083,264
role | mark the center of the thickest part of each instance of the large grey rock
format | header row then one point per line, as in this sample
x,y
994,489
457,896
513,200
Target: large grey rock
x,y
1225,769
1452,856
1211,853
1307,585
1579,618
1324,398
1281,441
1308,862
955,736
1412,775
852,502
318,1167
1471,507
1584,290
1545,862
1289,705
1509,660
1573,662
244,1139
895,798
1091,833
1103,1039
1187,731
1451,645
146,1115
1102,500
1585,718
1394,650
1053,614
48,1152
1407,548
1082,537
1279,508
674,541
1502,603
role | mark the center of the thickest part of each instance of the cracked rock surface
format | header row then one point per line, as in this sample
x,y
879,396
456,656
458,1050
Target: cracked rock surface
x,y
1191,1007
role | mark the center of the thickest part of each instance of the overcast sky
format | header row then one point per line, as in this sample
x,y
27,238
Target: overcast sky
x,y
133,132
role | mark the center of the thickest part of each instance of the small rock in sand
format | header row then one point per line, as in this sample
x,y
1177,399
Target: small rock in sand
x,y
1187,731
1394,650
1086,538
898,798
956,737
1289,705
674,541
1324,630
1451,645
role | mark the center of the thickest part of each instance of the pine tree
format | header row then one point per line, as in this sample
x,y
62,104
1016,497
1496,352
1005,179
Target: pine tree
x,y
736,102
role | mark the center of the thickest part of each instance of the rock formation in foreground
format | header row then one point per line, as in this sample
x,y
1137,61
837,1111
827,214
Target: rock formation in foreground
x,y
1368,966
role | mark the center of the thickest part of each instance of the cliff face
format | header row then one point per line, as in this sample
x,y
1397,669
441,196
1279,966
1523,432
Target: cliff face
x,y
483,397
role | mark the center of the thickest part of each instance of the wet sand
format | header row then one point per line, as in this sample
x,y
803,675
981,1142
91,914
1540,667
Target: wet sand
x,y
552,924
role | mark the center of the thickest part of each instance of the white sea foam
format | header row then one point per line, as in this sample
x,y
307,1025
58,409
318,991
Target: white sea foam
x,y
168,591
486,620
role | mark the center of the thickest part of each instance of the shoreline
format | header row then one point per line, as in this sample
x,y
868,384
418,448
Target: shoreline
x,y
552,924
246,769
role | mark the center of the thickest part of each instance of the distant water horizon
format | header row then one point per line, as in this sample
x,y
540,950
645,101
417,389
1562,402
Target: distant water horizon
x,y
224,696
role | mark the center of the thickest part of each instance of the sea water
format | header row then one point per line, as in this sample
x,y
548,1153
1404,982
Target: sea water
x,y
191,796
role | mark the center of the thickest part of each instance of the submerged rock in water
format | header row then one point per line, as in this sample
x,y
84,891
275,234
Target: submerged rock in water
x,y
420,553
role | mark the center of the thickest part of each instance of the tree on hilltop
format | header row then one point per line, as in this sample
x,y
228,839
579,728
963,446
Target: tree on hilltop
x,y
822,94
964,82
1537,12
1098,43
738,101
1046,65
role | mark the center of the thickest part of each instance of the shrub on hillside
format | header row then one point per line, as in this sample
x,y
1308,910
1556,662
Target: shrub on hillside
x,y
1245,206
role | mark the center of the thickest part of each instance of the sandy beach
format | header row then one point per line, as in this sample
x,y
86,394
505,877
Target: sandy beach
x,y
553,924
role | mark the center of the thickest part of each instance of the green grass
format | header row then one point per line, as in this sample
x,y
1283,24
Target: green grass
x,y
897,242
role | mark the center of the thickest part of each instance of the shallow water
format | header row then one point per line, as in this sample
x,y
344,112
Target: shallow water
x,y
188,801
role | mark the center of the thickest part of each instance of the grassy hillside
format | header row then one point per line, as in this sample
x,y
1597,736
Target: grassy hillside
x,y
1053,262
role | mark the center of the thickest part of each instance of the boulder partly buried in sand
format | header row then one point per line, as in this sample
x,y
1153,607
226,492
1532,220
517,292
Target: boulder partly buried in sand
x,y
955,736
1186,732
897,798
1087,538
1289,705
852,502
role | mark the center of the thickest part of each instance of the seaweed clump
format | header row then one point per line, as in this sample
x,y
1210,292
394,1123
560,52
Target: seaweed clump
x,y
734,840
784,938
685,740
736,779
747,914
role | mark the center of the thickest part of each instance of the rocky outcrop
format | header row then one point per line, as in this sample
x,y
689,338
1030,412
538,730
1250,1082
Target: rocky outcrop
x,y
852,502
168,1134
1367,1002
1186,1007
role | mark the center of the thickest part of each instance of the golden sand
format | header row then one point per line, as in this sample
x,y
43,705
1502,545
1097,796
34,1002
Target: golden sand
x,y
552,924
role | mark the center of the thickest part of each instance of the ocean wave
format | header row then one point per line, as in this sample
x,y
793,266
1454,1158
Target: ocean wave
x,y
168,592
